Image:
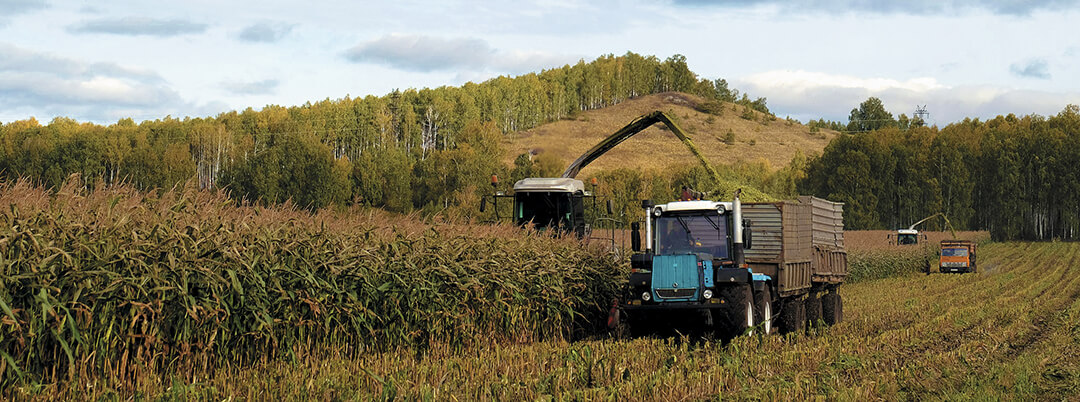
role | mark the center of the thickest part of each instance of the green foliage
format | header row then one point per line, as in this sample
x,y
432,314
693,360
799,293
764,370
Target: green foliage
x,y
293,168
723,93
864,266
449,178
870,115
712,107
759,182
747,114
1015,177
729,137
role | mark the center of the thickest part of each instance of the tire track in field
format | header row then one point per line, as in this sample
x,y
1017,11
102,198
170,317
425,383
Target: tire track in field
x,y
926,297
990,365
975,303
1072,287
1046,283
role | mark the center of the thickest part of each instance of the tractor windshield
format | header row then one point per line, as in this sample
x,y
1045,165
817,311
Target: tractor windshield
x,y
691,234
542,209
954,252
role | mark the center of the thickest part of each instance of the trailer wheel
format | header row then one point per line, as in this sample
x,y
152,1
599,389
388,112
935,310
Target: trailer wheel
x,y
763,310
792,316
832,307
813,311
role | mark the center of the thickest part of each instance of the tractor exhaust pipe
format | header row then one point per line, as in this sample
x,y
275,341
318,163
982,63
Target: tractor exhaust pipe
x,y
736,220
648,205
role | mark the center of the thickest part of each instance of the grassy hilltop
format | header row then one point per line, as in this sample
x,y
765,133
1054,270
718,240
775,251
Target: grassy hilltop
x,y
756,135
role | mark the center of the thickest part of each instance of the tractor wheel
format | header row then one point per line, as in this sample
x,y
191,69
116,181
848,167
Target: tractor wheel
x,y
792,316
813,310
737,316
763,310
637,324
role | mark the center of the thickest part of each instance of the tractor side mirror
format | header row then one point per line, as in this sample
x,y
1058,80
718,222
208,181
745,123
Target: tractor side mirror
x,y
610,208
483,204
748,235
635,236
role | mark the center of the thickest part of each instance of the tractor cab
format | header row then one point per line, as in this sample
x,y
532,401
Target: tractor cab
x,y
693,252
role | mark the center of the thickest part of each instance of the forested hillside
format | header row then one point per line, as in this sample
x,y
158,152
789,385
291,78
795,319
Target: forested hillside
x,y
427,148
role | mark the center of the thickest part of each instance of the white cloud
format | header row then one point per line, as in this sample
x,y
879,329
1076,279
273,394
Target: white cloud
x,y
912,7
804,80
426,54
135,26
266,32
251,87
1034,68
811,95
32,82
13,7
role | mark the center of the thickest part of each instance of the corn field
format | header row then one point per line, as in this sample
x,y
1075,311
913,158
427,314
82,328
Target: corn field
x,y
115,294
1009,332
118,287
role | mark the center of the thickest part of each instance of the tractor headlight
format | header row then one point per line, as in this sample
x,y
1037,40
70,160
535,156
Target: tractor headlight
x,y
657,211
707,294
646,296
720,209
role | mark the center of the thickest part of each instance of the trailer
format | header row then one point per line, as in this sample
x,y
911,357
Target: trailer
x,y
800,244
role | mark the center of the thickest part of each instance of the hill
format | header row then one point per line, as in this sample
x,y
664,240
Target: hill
x,y
756,138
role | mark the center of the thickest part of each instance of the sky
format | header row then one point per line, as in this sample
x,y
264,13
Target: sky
x,y
104,61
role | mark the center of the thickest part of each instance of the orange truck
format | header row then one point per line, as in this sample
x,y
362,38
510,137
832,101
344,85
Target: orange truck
x,y
957,256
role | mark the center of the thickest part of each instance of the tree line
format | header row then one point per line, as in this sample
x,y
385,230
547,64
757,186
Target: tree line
x,y
1014,176
413,149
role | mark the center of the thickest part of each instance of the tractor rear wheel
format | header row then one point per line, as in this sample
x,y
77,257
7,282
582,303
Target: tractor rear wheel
x,y
763,310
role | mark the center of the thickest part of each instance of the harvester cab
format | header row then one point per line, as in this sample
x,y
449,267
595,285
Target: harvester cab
x,y
907,237
910,236
551,203
555,204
